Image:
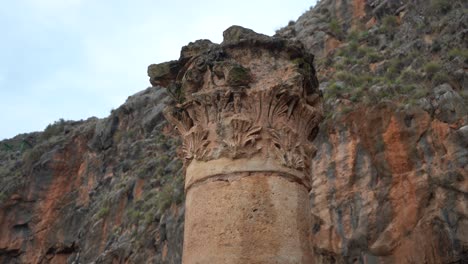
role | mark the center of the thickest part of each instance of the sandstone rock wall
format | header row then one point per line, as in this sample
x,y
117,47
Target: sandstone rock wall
x,y
390,175
94,191
390,187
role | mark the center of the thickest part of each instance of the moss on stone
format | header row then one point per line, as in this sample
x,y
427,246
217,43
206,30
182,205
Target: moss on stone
x,y
304,67
238,76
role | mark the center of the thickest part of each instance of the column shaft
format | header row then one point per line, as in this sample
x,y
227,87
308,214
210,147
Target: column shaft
x,y
249,217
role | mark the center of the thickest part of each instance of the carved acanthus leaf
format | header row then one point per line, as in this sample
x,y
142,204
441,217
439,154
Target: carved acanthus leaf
x,y
180,118
242,133
287,148
195,145
305,118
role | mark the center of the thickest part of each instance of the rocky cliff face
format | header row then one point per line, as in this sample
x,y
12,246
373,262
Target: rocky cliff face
x,y
390,187
390,175
389,178
94,191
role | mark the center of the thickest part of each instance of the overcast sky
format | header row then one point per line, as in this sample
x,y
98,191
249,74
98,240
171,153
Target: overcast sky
x,y
74,59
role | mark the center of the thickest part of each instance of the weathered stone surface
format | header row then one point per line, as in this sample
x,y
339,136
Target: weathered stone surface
x,y
247,218
240,100
163,73
194,49
385,183
247,112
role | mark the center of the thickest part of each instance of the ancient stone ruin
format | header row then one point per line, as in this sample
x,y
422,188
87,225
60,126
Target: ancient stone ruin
x,y
247,111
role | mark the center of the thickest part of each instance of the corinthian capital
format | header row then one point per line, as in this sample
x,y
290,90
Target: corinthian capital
x,y
252,97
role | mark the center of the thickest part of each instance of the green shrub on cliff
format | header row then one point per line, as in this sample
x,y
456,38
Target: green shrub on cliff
x,y
456,52
395,66
103,212
409,76
431,68
335,27
440,78
389,25
55,129
335,90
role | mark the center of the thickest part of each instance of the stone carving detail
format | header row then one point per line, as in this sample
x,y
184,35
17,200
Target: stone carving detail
x,y
276,122
194,137
195,145
287,148
239,101
241,133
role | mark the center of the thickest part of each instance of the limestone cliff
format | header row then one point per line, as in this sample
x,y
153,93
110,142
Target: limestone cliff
x,y
94,191
390,176
389,180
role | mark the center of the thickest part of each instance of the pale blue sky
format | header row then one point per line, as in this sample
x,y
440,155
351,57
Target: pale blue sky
x,y
74,59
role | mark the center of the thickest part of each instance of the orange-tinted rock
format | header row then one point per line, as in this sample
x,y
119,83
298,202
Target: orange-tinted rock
x,y
78,204
331,44
384,189
50,191
373,66
372,22
359,9
139,188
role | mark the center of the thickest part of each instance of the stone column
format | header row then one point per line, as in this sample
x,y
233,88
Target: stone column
x,y
247,110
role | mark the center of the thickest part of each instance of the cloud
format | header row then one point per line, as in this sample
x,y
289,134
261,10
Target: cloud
x,y
77,58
